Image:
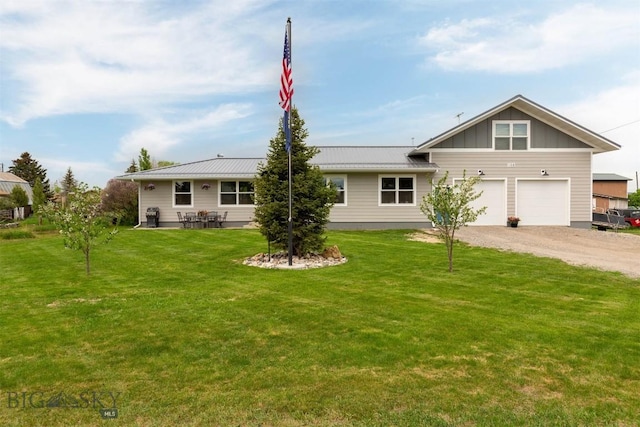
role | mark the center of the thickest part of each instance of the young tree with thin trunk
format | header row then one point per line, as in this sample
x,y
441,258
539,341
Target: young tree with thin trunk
x,y
447,207
82,222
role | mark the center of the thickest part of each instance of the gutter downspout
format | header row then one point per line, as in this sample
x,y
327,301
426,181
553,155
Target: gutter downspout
x,y
139,216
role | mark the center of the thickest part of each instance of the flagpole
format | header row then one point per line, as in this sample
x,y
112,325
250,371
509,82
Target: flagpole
x,y
290,219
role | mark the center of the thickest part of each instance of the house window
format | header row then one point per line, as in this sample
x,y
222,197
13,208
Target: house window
x,y
236,193
182,196
340,184
397,190
511,135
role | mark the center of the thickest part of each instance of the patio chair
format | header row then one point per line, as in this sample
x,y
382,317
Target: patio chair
x,y
182,220
192,219
212,219
222,219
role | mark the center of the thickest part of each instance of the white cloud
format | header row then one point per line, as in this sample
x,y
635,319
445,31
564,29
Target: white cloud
x,y
512,44
614,113
159,135
128,56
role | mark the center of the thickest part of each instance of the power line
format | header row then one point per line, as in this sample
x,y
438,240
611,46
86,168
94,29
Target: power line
x,y
621,126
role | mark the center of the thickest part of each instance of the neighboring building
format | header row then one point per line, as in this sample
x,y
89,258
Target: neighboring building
x,y
609,191
535,164
7,182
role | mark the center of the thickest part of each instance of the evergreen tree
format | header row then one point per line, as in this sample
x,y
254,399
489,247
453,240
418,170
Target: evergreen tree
x,y
133,167
28,169
69,182
39,199
312,198
144,160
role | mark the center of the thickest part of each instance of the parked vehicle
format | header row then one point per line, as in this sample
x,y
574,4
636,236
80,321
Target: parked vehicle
x,y
631,215
608,220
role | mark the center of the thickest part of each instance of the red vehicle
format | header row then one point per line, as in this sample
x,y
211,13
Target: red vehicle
x,y
631,216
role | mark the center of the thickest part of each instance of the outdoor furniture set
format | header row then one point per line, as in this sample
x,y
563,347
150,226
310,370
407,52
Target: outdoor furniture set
x,y
202,219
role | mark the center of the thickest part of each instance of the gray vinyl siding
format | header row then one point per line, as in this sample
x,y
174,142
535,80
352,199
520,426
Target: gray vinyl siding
x,y
362,201
542,135
576,166
162,197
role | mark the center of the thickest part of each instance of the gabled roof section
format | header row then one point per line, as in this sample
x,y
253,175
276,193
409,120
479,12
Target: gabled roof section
x,y
219,167
598,142
9,180
370,159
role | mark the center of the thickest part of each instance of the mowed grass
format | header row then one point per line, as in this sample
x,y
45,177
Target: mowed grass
x,y
187,335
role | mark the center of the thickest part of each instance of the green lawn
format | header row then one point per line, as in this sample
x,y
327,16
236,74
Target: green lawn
x,y
187,335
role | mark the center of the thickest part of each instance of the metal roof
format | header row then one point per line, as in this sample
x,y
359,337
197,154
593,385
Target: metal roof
x,y
609,177
329,159
598,142
370,158
219,167
9,180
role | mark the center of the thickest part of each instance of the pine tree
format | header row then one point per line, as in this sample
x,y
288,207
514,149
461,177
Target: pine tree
x,y
133,167
144,160
69,182
39,199
312,198
28,169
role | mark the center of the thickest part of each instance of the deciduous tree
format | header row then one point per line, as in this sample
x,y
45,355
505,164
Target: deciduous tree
x,y
448,208
120,200
81,222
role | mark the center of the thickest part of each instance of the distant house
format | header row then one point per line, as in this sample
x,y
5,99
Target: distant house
x,y
610,191
534,164
7,182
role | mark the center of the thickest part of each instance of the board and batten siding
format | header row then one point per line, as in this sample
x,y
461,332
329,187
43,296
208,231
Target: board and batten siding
x,y
572,165
362,201
480,135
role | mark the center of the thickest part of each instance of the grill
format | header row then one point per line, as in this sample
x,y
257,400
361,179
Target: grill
x,y
153,217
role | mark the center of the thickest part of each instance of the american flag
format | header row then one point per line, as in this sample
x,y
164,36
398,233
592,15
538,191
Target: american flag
x,y
286,81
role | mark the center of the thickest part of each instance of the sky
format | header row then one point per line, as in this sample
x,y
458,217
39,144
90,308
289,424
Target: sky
x,y
86,84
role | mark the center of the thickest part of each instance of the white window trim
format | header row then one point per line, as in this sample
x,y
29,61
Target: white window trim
x,y
173,193
237,193
344,178
511,123
396,176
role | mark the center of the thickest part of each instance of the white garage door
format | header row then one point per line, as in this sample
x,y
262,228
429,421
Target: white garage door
x,y
494,198
543,202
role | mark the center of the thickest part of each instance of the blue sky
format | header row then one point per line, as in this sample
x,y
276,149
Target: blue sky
x,y
86,84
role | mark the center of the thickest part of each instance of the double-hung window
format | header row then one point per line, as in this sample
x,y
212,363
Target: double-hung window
x,y
511,134
397,190
183,194
340,184
236,193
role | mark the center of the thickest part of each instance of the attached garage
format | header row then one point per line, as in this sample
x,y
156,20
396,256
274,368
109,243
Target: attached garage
x,y
543,201
494,197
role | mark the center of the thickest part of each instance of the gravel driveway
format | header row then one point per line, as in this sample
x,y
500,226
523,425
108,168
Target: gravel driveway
x,y
599,249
